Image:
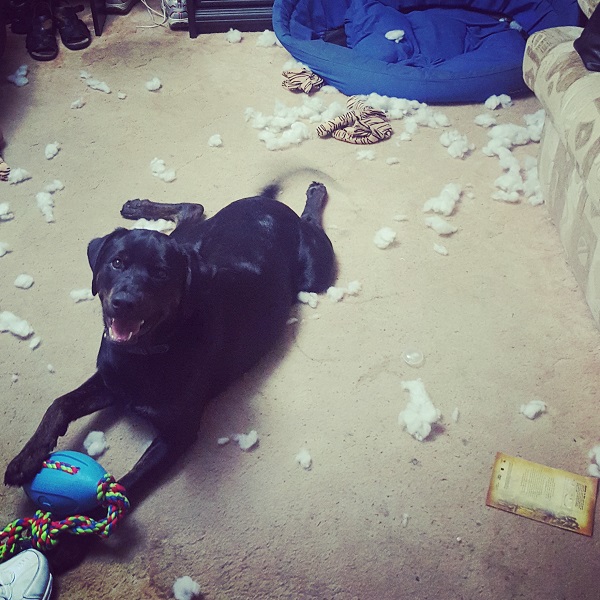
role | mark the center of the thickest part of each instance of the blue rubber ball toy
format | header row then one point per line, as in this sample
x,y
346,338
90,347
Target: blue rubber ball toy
x,y
67,484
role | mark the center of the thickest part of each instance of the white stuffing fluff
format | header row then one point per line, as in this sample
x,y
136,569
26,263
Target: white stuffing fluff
x,y
365,155
440,226
420,413
54,186
35,342
46,205
10,323
291,321
246,441
121,95
533,409
440,249
392,160
395,35
267,39
154,84
99,86
14,377
84,74
185,588
52,150
485,120
19,77
446,201
95,443
222,441
405,518
336,294
153,224
81,295
23,281
285,128
233,36
304,459
4,248
384,238
400,218
457,144
51,369
159,169
494,102
214,141
5,213
309,298
455,415
18,175
79,103
594,468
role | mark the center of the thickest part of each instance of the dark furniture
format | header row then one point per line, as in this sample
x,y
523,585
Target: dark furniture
x,y
215,16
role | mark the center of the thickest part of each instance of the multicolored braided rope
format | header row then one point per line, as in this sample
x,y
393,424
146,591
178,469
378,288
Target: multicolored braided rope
x,y
41,531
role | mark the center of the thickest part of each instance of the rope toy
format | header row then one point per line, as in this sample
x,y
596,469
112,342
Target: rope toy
x,y
362,124
41,531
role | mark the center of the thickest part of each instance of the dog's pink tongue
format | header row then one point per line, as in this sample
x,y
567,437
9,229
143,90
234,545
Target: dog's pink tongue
x,y
122,331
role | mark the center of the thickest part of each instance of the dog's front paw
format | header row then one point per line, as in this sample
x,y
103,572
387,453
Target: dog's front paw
x,y
134,209
23,468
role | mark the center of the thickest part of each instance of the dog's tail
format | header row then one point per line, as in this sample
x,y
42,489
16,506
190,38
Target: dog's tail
x,y
271,191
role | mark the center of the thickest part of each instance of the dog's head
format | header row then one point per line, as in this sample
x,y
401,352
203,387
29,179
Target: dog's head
x,y
141,278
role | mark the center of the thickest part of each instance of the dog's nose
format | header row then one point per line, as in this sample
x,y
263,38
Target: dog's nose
x,y
122,301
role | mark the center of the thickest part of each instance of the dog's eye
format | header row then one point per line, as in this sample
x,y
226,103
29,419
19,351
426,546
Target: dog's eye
x,y
116,263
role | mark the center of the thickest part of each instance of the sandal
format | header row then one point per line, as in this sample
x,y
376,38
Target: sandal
x,y
73,31
41,39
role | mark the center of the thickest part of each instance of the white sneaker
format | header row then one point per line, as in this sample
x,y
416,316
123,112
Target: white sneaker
x,y
25,577
176,13
120,7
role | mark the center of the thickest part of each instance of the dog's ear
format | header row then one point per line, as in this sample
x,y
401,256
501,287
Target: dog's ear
x,y
94,250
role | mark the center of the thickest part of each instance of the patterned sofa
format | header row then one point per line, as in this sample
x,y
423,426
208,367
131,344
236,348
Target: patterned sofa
x,y
569,159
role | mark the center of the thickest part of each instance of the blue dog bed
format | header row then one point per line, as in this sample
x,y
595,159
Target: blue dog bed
x,y
450,51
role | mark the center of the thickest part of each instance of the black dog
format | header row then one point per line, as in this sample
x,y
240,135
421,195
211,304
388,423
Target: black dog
x,y
187,314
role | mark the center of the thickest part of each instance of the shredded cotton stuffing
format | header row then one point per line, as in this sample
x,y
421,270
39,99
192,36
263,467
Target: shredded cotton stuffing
x,y
215,141
384,238
485,120
309,298
5,212
99,86
51,150
18,175
35,342
54,186
154,84
95,443
533,409
446,201
233,36
23,281
46,205
405,517
159,169
420,413
222,441
81,295
51,369
304,459
10,323
392,160
246,441
185,588
594,468
440,249
4,248
440,226
395,35
455,415
365,155
19,77
267,39
153,224
121,95
494,102
457,144
79,103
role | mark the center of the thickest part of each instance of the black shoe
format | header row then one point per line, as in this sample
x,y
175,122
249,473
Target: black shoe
x,y
20,14
41,40
587,45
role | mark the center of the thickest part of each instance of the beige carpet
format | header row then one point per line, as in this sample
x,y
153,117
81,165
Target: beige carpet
x,y
499,320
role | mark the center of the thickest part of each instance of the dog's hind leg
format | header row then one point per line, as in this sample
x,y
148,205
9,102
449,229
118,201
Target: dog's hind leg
x,y
147,209
316,256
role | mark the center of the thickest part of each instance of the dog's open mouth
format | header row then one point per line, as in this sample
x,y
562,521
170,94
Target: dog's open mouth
x,y
123,330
